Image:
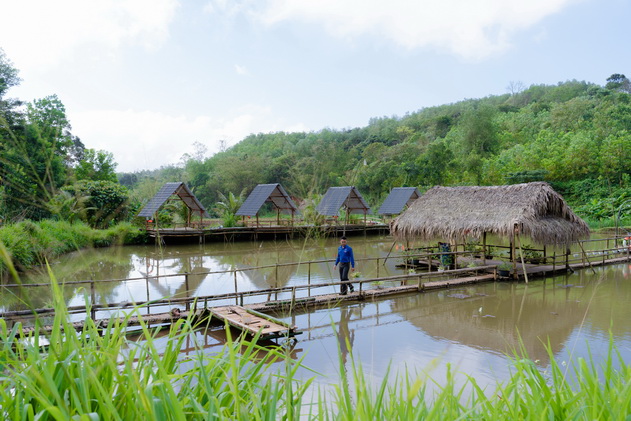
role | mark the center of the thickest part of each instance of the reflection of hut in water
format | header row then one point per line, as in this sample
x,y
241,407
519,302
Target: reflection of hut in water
x,y
269,277
499,321
534,210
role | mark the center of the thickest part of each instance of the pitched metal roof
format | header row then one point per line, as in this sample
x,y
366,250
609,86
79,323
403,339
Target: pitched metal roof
x,y
262,193
336,197
399,198
168,190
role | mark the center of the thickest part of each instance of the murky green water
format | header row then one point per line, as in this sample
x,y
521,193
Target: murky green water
x,y
470,328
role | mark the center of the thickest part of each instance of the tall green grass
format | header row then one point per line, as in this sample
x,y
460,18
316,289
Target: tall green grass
x,y
100,374
32,243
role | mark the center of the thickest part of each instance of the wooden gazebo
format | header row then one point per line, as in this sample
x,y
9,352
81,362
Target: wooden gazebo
x,y
533,210
174,191
398,199
348,198
268,193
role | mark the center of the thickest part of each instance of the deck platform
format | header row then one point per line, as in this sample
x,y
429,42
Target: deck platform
x,y
252,322
248,233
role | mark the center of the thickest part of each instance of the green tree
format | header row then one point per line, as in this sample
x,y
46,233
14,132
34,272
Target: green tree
x,y
618,82
96,166
8,74
107,202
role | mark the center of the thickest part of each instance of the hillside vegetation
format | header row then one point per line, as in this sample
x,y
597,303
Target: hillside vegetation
x,y
574,135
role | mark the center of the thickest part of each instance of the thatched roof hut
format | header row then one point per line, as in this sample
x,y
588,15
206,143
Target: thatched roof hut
x,y
452,213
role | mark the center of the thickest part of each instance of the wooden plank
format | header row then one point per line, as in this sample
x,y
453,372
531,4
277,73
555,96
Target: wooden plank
x,y
251,322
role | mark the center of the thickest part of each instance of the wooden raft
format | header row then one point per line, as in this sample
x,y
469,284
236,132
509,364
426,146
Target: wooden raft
x,y
253,322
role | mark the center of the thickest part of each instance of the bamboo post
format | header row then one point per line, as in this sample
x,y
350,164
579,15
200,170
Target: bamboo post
x,y
389,251
147,289
92,301
309,279
188,305
455,254
585,257
236,299
377,267
484,248
512,253
567,257
521,255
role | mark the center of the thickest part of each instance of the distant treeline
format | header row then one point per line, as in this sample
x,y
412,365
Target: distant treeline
x,y
574,135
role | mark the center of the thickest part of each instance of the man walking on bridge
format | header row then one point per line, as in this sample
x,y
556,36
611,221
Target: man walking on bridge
x,y
346,261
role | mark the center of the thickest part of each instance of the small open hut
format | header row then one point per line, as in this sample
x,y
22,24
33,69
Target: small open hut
x,y
534,210
347,197
268,193
174,191
398,199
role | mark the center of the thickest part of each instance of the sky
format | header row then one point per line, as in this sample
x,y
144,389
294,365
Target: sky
x,y
147,80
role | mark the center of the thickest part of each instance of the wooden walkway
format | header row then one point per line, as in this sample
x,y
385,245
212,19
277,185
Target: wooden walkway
x,y
260,232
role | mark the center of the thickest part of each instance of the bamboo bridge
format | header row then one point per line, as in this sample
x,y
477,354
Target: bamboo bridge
x,y
250,311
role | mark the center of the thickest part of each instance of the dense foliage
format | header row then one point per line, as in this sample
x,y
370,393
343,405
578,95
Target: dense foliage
x,y
575,135
40,158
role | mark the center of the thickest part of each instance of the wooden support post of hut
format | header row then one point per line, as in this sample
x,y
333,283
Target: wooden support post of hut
x,y
268,193
447,213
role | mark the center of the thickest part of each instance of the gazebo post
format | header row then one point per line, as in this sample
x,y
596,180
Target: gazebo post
x,y
484,248
512,253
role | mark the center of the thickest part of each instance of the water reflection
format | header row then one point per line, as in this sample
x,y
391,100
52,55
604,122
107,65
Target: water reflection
x,y
474,329
471,328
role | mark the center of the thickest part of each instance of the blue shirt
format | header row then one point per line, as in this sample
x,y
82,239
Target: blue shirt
x,y
345,255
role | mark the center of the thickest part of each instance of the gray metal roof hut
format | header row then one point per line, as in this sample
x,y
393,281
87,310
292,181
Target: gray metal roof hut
x,y
274,193
398,199
348,197
182,192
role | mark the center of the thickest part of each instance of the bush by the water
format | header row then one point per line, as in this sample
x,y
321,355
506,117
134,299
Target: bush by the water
x,y
33,243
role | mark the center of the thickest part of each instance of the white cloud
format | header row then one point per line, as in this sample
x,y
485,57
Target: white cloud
x,y
43,33
241,70
148,139
472,29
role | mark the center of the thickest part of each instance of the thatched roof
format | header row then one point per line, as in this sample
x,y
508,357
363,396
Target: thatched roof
x,y
451,213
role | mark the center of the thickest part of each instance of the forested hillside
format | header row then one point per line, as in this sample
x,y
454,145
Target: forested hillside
x,y
575,135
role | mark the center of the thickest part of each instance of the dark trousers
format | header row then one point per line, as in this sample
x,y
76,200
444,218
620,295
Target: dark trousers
x,y
344,269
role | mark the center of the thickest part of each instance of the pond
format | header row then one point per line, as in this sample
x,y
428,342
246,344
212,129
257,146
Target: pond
x,y
470,329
